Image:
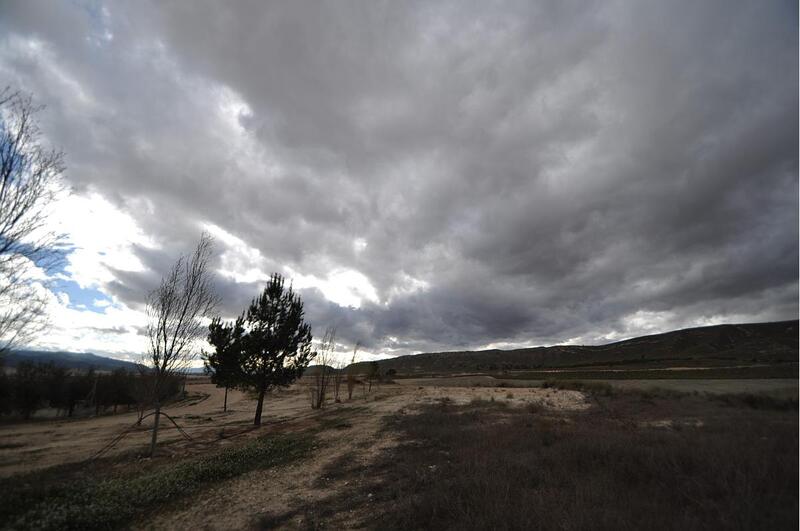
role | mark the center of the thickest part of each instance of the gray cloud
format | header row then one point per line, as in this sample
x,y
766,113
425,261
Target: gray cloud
x,y
549,170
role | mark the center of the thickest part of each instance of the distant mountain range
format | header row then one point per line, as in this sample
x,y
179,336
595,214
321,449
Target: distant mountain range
x,y
706,346
74,360
70,360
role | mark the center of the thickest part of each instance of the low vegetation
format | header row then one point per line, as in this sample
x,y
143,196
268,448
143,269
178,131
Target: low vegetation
x,y
73,499
752,400
782,370
487,465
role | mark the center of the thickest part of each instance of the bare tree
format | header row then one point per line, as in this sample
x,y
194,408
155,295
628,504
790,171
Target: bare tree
x,y
351,372
339,367
175,312
373,374
29,182
321,379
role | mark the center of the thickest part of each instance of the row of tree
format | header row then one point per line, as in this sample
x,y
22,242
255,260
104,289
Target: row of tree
x,y
33,386
269,346
331,372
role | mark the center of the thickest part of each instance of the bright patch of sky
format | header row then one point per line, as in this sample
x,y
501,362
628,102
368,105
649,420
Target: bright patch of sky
x,y
102,238
345,287
83,315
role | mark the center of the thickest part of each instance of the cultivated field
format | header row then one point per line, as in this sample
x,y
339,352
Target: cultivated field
x,y
458,453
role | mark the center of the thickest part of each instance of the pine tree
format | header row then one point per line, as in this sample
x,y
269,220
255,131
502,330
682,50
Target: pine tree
x,y
224,363
276,345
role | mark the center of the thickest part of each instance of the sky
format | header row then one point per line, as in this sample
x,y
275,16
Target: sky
x,y
430,175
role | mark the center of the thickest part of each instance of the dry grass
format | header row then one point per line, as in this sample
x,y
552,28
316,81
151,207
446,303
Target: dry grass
x,y
489,466
467,459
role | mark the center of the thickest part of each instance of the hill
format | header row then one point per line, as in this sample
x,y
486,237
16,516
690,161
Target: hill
x,y
709,346
70,360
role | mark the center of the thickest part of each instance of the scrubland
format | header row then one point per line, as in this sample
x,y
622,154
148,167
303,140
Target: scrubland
x,y
561,455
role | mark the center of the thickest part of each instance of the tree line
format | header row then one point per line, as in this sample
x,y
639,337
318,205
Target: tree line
x,y
269,346
35,386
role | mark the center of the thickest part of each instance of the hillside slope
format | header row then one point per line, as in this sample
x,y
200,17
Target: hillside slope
x,y
706,346
70,360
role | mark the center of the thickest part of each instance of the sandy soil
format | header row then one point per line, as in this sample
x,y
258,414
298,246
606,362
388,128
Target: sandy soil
x,y
241,502
44,443
350,436
47,442
244,501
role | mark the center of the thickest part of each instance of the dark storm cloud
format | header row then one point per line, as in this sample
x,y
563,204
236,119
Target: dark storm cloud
x,y
520,172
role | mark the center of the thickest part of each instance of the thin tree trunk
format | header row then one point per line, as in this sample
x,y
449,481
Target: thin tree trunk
x,y
225,405
261,392
155,430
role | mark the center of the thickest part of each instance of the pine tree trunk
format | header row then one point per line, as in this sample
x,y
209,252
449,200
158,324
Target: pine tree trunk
x,y
261,392
155,430
225,405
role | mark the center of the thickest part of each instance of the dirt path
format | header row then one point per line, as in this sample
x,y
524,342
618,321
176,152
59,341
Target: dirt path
x,y
351,436
26,446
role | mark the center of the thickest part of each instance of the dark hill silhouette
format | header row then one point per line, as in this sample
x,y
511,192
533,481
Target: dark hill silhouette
x,y
70,360
705,346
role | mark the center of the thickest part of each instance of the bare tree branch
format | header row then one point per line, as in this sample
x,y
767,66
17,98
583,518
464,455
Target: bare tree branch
x,y
320,380
175,312
29,182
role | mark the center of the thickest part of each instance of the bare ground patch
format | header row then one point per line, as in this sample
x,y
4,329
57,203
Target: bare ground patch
x,y
379,456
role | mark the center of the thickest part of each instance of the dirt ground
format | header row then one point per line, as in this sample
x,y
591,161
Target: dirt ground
x,y
244,501
350,436
351,430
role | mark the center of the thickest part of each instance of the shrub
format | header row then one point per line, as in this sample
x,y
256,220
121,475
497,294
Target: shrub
x,y
595,388
757,401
